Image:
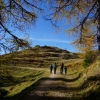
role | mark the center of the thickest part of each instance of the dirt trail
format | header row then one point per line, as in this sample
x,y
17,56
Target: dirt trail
x,y
55,87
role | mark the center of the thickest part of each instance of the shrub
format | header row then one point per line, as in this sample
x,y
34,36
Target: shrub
x,y
90,57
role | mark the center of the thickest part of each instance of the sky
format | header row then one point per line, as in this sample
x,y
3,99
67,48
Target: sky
x,y
44,34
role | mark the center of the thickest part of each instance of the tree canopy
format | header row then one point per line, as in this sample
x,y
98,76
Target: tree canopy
x,y
83,15
17,14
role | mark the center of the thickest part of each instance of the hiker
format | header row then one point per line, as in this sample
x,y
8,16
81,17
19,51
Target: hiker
x,y
55,67
61,68
51,67
65,69
11,63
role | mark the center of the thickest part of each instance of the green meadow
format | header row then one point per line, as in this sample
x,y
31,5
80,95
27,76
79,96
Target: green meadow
x,y
14,80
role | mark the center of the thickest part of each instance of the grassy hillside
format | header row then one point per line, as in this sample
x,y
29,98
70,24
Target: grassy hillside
x,y
79,84
38,57
83,83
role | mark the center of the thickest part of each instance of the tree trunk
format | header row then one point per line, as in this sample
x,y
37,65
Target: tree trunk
x,y
98,41
98,35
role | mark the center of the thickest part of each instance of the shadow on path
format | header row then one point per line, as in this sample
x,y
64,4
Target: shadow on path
x,y
37,97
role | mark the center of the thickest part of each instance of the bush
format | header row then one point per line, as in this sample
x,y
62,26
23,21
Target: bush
x,y
90,57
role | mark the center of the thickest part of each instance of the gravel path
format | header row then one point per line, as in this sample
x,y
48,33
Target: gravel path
x,y
54,87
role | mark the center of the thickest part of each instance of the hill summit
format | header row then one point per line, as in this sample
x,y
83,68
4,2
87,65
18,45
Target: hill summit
x,y
41,56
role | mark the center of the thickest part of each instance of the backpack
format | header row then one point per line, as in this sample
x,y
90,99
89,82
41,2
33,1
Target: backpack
x,y
62,65
55,66
51,66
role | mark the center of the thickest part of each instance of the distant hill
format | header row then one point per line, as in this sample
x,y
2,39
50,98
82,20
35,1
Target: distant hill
x,y
38,56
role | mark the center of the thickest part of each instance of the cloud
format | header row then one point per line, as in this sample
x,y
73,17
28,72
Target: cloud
x,y
51,40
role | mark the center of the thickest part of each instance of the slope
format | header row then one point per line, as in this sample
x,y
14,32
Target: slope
x,y
81,84
38,56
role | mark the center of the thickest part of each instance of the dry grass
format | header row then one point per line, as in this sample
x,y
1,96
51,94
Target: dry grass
x,y
38,56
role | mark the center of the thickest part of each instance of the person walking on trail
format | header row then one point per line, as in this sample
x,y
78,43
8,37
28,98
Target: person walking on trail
x,y
65,69
55,67
61,68
51,68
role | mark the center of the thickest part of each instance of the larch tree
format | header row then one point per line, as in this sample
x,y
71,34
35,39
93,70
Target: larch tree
x,y
83,15
16,14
